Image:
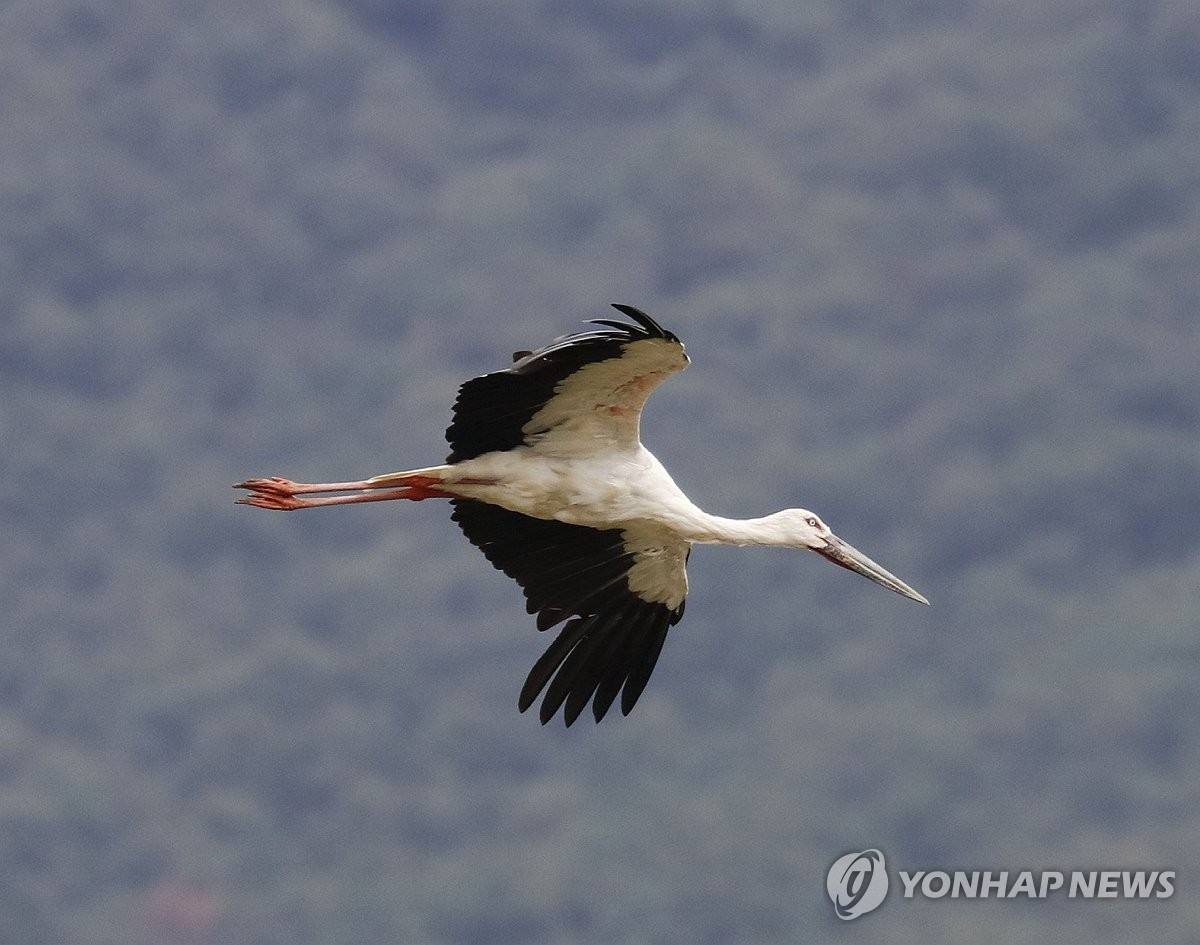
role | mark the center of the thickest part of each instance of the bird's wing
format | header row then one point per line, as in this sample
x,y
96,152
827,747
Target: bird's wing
x,y
619,591
579,394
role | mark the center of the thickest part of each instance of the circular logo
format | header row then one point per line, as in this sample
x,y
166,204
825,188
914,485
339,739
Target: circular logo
x,y
857,883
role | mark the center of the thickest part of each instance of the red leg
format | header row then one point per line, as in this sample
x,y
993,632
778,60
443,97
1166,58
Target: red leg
x,y
281,486
285,496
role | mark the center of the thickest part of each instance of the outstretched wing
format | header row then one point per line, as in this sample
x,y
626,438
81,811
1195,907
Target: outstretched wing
x,y
580,393
618,590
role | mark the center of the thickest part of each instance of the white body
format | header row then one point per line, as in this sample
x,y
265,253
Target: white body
x,y
610,490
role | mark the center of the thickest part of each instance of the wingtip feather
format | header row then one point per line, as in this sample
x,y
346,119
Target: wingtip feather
x,y
652,328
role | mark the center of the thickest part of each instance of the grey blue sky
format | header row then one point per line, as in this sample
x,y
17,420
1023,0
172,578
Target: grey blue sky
x,y
935,262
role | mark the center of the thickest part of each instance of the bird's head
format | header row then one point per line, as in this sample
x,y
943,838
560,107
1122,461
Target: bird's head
x,y
804,529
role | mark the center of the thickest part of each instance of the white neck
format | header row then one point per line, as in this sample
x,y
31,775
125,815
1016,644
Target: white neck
x,y
701,527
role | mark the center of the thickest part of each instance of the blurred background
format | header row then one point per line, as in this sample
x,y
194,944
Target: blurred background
x,y
935,262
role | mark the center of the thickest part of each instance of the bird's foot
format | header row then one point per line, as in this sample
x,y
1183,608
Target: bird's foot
x,y
272,484
273,493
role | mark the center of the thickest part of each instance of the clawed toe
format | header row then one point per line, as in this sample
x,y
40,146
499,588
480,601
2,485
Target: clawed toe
x,y
268,500
270,484
273,492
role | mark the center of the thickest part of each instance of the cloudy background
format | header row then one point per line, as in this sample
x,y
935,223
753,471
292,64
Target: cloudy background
x,y
936,262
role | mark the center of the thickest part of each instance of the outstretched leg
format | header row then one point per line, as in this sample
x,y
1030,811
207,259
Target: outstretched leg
x,y
284,495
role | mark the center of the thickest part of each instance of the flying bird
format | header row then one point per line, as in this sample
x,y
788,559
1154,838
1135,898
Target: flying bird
x,y
548,477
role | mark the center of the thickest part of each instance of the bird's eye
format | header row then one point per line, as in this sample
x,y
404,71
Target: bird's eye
x,y
814,522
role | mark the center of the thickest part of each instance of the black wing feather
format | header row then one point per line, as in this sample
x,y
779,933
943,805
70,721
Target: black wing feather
x,y
570,682
548,662
642,661
611,638
605,652
491,411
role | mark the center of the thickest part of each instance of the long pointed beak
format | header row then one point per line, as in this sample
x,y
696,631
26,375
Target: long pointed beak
x,y
851,558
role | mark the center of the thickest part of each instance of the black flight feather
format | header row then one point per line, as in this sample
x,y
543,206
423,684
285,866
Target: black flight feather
x,y
611,638
492,410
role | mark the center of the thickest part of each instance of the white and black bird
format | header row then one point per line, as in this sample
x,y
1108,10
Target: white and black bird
x,y
549,479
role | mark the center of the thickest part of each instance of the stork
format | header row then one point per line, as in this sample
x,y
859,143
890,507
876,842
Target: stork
x,y
548,477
